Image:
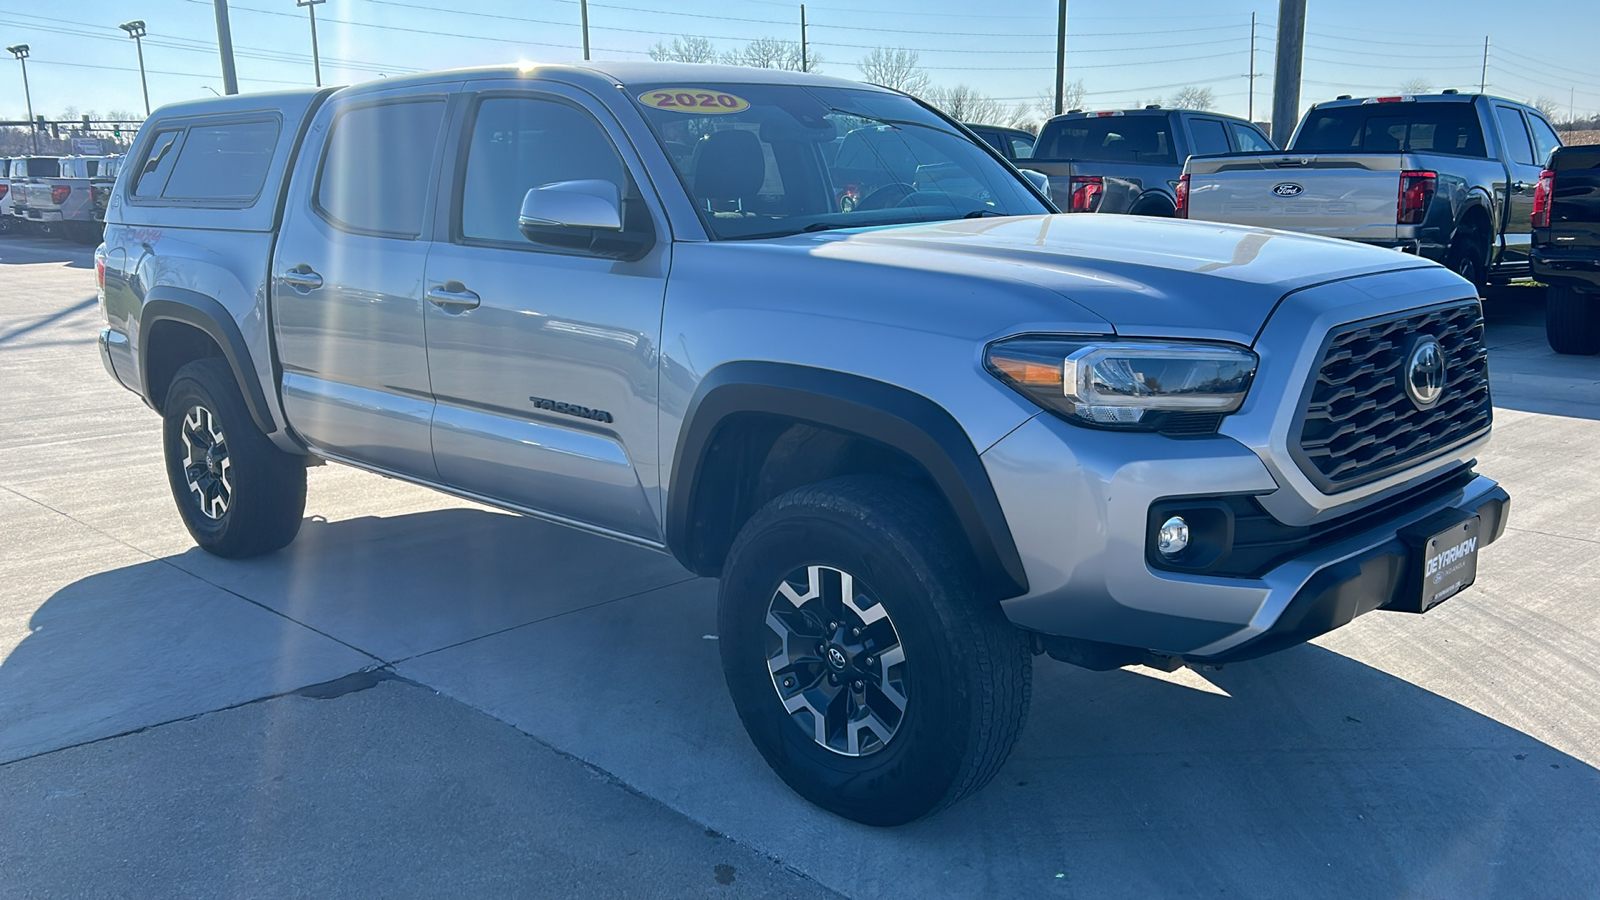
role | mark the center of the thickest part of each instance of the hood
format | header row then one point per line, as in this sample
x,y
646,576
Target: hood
x,y
1147,277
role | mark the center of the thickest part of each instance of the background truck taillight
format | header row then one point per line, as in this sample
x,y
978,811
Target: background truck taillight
x,y
1086,191
1181,201
1541,199
1416,189
59,192
4,188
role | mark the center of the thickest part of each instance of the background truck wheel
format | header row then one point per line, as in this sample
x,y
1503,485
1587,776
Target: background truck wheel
x,y
1572,321
865,666
1469,258
239,495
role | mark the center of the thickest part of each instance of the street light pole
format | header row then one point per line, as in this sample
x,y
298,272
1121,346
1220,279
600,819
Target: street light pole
x,y
316,60
230,78
135,30
20,51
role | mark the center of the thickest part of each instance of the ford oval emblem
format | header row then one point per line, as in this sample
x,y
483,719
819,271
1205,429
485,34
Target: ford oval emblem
x,y
1288,189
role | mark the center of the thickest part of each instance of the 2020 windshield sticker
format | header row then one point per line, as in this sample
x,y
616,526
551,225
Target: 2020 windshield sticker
x,y
694,101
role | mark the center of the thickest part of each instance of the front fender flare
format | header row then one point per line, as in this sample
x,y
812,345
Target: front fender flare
x,y
890,415
206,314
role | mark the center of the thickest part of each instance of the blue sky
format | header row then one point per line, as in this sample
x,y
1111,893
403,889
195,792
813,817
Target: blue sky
x,y
1125,52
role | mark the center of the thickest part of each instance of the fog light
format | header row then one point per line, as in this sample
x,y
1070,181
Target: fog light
x,y
1173,536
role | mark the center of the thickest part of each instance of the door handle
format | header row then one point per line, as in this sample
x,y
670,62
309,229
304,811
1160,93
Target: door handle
x,y
1521,186
302,278
452,294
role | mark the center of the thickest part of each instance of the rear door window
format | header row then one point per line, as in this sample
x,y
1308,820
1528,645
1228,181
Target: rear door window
x,y
1518,146
1209,137
520,143
157,165
1146,139
1249,139
226,162
377,166
1021,148
1545,141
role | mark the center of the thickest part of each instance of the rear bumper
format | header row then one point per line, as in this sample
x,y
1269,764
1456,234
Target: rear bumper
x,y
1577,268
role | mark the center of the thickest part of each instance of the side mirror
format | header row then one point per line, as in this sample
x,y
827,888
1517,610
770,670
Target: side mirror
x,y
1039,179
586,216
590,203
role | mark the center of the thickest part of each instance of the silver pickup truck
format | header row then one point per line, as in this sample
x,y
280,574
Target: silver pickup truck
x,y
1449,177
920,440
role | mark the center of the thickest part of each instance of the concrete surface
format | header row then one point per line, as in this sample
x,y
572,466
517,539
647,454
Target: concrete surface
x,y
1446,755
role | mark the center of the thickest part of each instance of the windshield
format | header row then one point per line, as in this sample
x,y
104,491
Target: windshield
x,y
770,160
1145,139
1451,128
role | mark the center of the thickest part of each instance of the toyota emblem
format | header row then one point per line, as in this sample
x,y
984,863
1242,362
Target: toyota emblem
x,y
1288,189
1424,374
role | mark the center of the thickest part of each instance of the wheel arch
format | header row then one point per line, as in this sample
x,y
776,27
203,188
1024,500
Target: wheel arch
x,y
1154,202
177,326
742,410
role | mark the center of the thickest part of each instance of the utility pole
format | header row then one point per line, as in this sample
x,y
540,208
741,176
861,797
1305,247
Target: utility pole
x,y
20,51
1483,77
805,61
583,12
1286,80
230,78
316,59
1252,114
135,30
1061,55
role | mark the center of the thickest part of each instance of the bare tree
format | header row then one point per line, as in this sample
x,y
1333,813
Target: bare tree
x,y
685,49
894,68
1416,86
772,53
1194,98
1073,95
965,103
1547,106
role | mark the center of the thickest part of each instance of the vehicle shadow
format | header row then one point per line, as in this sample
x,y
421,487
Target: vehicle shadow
x,y
1305,774
23,249
1524,372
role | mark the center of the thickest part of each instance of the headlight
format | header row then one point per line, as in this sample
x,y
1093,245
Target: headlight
x,y
1140,385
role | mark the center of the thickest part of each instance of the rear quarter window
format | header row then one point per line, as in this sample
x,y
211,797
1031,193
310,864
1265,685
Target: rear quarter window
x,y
226,162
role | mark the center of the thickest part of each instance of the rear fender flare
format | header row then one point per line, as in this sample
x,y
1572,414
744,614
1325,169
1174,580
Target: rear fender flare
x,y
206,314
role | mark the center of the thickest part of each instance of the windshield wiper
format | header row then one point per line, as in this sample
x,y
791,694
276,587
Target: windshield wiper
x,y
980,213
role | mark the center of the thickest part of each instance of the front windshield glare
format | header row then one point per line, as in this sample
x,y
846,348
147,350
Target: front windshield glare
x,y
770,160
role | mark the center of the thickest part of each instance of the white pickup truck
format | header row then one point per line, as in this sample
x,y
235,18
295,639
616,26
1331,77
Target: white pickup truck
x,y
1449,177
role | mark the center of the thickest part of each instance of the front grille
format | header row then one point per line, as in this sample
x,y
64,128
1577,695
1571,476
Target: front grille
x,y
1360,424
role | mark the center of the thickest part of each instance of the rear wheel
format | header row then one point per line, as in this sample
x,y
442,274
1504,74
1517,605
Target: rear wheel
x,y
1469,258
864,663
1572,321
238,494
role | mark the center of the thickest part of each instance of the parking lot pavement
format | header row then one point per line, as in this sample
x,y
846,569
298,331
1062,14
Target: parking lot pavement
x,y
1452,754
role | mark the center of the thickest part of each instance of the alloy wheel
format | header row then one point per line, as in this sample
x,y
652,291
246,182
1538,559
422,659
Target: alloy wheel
x,y
836,660
206,465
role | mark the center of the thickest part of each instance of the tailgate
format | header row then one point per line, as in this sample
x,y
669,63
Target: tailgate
x,y
38,194
1350,196
1575,197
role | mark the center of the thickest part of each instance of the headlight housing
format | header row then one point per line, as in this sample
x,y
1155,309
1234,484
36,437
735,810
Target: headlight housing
x,y
1131,385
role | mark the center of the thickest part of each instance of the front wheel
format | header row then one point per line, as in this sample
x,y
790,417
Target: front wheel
x,y
1469,258
866,666
239,495
1572,321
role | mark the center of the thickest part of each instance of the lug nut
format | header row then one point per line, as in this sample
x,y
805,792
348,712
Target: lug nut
x,y
857,685
788,682
833,626
832,678
868,661
855,632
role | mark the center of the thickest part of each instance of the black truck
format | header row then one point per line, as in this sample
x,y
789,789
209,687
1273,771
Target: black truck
x,y
1566,248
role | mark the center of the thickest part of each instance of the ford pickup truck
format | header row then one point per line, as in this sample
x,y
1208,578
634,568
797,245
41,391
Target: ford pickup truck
x,y
1449,177
920,440
1130,160
1566,248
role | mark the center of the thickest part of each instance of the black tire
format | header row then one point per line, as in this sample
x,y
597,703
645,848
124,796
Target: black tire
x,y
967,671
1572,321
262,488
1469,258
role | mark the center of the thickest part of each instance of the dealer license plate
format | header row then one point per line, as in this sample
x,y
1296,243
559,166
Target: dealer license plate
x,y
1449,563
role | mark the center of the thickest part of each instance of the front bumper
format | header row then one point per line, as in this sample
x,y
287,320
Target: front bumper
x,y
1078,502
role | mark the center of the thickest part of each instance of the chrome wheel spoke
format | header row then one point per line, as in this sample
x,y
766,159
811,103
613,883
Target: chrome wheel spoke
x,y
206,466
